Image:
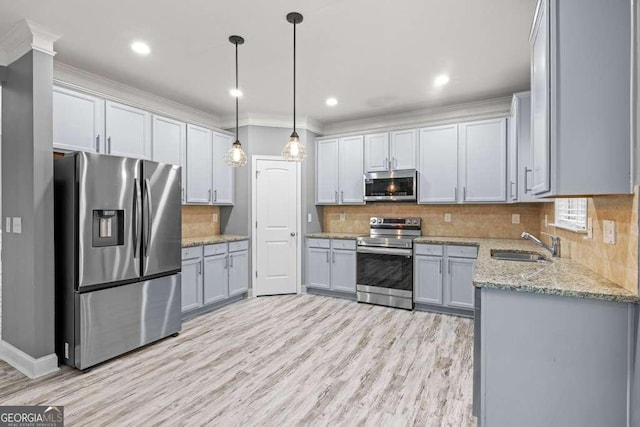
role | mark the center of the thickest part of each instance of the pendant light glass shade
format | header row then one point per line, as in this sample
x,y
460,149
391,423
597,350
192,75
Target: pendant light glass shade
x,y
235,156
294,151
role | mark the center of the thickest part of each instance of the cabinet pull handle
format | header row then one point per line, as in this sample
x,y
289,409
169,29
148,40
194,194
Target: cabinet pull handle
x,y
464,193
342,196
215,195
109,145
226,262
449,266
336,197
199,264
230,260
440,264
526,179
209,196
513,193
333,257
455,194
386,163
97,143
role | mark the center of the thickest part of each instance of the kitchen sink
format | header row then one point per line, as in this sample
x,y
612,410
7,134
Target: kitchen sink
x,y
518,256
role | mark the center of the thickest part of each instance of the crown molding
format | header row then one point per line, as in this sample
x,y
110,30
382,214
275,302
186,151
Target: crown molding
x,y
477,110
24,36
271,120
74,78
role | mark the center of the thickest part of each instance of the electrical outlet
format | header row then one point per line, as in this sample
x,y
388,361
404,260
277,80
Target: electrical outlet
x,y
343,216
309,217
17,224
515,218
447,217
214,217
609,232
7,226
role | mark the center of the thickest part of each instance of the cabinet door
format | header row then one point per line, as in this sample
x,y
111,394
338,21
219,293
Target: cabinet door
x,y
438,164
319,268
343,270
376,152
216,278
483,160
128,131
199,170
327,172
238,272
78,121
351,170
512,182
191,284
523,136
428,284
540,109
460,282
403,149
168,144
222,172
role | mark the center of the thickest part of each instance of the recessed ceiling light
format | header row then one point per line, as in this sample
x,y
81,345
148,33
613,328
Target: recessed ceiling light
x,y
141,48
441,80
331,102
236,93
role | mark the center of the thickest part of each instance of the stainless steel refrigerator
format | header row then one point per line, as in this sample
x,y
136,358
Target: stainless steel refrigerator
x,y
118,255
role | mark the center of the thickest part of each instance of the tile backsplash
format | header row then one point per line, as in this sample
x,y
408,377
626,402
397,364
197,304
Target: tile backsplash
x,y
617,262
493,221
197,221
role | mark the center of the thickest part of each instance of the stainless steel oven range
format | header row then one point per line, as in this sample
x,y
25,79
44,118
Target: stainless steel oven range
x,y
385,262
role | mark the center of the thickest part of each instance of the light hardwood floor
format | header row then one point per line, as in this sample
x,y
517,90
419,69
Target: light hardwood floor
x,y
289,360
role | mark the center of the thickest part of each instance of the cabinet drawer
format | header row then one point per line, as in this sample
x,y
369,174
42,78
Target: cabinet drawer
x,y
319,243
434,250
462,251
193,252
220,248
242,245
344,244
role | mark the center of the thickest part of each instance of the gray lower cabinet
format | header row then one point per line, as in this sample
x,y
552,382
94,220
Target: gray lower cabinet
x,y
443,276
213,274
331,265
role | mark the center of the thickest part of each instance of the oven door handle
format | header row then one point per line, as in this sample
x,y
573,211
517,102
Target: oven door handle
x,y
385,251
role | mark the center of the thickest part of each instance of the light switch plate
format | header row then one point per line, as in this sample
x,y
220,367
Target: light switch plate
x,y
515,218
343,216
17,224
609,232
447,217
7,226
309,217
214,217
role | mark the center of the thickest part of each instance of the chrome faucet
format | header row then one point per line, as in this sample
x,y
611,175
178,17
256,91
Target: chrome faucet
x,y
555,242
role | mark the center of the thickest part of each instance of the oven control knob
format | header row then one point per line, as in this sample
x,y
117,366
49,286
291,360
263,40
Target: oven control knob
x,y
379,220
372,221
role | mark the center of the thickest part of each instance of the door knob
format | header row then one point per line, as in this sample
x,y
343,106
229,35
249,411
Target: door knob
x,y
293,234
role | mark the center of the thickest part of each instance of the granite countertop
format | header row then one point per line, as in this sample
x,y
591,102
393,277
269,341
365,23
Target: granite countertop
x,y
189,242
561,276
344,236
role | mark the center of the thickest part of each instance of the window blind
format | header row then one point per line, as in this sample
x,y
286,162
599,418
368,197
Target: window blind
x,y
571,214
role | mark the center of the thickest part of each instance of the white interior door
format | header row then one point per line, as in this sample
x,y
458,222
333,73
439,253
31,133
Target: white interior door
x,y
276,215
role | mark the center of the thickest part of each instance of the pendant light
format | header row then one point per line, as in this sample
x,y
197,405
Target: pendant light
x,y
235,156
294,150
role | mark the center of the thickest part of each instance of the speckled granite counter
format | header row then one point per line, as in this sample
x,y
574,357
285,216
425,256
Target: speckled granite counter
x,y
345,236
189,242
562,276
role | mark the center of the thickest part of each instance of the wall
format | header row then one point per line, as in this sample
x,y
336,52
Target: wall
x,y
197,221
619,262
466,220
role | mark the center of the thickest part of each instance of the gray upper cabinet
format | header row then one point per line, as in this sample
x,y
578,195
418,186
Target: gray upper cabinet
x,y
403,148
580,137
78,121
128,131
339,171
238,272
520,149
483,160
390,151
376,152
327,171
216,278
459,284
438,164
199,168
343,270
512,159
351,170
222,172
169,139
428,279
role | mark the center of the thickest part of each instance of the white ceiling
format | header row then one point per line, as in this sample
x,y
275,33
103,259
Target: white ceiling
x,y
375,56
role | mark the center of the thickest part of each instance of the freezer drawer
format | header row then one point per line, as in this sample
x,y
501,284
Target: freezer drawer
x,y
117,320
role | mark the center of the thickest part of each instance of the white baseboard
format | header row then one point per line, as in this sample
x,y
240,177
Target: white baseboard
x,y
33,368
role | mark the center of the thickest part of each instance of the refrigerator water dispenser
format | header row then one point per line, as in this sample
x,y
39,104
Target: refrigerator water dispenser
x,y
108,228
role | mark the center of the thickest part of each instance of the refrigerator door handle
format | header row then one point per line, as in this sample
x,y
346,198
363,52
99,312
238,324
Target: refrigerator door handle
x,y
149,210
136,218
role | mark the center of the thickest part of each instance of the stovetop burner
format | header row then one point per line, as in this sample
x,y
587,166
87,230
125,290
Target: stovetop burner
x,y
392,232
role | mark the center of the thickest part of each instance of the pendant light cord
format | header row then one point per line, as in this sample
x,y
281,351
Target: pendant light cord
x,y
237,94
294,77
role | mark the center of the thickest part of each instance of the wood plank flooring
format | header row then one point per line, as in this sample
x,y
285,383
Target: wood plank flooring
x,y
289,360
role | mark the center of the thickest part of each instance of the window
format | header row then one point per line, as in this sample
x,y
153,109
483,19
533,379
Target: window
x,y
571,214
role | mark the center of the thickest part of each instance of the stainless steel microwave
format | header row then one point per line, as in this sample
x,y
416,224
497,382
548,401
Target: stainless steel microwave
x,y
395,186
